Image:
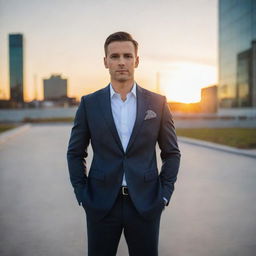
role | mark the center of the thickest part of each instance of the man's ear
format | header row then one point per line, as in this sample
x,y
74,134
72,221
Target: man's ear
x,y
137,61
105,62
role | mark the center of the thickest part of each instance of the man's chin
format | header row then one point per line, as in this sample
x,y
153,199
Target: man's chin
x,y
123,79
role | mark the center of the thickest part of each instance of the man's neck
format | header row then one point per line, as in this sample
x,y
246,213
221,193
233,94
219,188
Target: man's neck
x,y
123,88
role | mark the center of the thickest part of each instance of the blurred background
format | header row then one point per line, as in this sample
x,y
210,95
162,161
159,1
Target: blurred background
x,y
64,40
200,54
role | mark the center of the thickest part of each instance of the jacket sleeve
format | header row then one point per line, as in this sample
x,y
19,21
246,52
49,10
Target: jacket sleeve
x,y
170,153
77,151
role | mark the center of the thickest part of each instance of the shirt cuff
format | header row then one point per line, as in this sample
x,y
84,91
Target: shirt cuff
x,y
166,201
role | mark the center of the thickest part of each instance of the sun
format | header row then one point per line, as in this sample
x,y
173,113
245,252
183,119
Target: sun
x,y
184,80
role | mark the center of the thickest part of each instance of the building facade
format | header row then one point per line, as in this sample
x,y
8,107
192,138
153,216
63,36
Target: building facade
x,y
55,87
237,55
209,99
16,67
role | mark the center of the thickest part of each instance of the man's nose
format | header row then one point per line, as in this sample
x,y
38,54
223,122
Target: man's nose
x,y
121,61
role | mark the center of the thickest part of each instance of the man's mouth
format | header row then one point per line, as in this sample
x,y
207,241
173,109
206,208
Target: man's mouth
x,y
121,71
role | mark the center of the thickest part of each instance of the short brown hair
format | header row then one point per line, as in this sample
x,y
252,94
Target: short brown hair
x,y
120,37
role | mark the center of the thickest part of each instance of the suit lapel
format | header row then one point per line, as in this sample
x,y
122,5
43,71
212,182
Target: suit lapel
x,y
142,106
105,104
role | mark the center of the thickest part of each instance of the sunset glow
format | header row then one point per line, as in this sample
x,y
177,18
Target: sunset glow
x,y
182,52
184,80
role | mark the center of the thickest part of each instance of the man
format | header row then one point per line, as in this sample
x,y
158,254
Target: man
x,y
123,190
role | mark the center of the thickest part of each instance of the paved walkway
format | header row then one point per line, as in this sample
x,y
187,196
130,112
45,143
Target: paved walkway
x,y
212,213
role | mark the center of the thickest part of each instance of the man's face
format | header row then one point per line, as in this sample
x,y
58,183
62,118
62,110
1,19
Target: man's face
x,y
121,60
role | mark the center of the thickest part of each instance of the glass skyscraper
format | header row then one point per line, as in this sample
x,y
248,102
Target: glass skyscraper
x,y
237,54
16,67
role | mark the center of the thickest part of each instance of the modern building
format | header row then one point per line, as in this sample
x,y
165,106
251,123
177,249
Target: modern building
x,y
209,99
237,56
16,67
55,88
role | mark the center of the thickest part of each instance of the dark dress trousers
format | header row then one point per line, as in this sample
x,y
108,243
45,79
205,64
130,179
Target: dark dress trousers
x,y
99,190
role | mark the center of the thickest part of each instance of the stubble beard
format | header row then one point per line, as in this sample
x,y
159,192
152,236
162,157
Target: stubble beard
x,y
121,79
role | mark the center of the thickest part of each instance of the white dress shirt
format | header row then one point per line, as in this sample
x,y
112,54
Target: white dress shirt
x,y
124,114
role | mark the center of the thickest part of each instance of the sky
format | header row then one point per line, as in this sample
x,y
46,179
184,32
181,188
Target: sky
x,y
177,43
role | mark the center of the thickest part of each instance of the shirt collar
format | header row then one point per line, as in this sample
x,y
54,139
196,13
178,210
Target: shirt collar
x,y
133,90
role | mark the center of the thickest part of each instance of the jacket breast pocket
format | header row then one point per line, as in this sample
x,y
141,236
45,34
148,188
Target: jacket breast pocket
x,y
150,128
151,175
96,174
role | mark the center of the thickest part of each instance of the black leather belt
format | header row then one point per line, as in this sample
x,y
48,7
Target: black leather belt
x,y
124,191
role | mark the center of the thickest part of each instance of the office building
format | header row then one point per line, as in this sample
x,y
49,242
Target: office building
x,y
55,88
209,99
237,56
16,67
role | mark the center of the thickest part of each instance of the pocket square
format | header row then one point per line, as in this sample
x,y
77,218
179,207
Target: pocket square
x,y
150,114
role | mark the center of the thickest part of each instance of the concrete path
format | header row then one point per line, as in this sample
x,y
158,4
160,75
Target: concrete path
x,y
212,213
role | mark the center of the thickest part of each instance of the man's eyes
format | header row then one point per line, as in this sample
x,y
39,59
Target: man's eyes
x,y
117,56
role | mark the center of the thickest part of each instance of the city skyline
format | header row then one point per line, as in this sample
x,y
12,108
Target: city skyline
x,y
176,40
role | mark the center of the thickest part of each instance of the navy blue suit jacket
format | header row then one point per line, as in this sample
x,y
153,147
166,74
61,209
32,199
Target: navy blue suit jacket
x,y
98,189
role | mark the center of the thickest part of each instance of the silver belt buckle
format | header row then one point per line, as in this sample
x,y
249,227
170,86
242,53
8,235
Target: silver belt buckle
x,y
123,191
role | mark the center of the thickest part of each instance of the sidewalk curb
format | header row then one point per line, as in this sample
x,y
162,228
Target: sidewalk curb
x,y
216,146
13,133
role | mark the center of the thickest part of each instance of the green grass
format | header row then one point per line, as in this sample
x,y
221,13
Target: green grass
x,y
6,127
244,138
